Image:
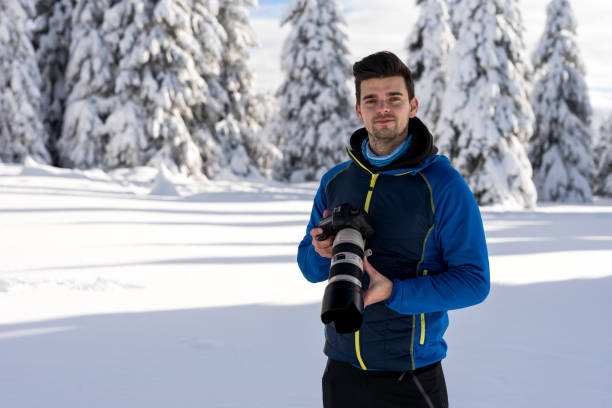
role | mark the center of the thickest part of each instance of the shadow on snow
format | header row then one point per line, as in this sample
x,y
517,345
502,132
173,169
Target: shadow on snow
x,y
533,345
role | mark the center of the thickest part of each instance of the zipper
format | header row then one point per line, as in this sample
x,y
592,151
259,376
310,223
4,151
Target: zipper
x,y
422,317
423,320
366,207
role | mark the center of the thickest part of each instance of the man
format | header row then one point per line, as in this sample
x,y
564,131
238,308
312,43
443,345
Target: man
x,y
429,253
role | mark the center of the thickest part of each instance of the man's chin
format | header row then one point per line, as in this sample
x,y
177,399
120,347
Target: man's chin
x,y
384,134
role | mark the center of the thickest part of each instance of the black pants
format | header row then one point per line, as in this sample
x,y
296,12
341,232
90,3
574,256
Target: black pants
x,y
345,386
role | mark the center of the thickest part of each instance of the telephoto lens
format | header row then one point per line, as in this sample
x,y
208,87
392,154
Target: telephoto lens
x,y
343,297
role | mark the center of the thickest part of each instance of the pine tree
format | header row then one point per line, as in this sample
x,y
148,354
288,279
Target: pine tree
x,y
560,150
51,40
454,21
316,108
603,156
89,82
22,132
156,86
245,147
153,98
428,46
486,118
211,39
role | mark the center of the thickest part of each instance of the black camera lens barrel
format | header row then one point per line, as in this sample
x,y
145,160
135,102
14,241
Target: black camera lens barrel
x,y
343,300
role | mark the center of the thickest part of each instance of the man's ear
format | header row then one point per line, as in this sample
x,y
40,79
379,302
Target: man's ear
x,y
358,110
414,107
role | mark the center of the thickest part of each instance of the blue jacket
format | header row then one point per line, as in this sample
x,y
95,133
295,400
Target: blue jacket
x,y
429,240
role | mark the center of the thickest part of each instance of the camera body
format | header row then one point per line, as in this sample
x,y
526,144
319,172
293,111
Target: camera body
x,y
343,297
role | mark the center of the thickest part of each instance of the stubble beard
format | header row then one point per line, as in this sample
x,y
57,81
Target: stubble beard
x,y
387,139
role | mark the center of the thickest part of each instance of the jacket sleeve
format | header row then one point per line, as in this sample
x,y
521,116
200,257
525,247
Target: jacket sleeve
x,y
459,237
314,267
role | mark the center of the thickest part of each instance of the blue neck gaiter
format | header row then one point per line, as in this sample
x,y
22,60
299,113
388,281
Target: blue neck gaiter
x,y
381,161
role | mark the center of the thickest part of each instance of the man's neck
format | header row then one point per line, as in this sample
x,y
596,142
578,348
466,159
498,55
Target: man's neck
x,y
382,148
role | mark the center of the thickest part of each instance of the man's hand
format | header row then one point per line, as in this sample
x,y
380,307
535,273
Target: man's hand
x,y
323,248
380,286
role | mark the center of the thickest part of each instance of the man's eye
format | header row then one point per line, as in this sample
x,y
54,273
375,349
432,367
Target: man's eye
x,y
370,101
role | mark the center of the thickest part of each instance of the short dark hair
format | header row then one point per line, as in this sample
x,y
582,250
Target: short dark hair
x,y
382,64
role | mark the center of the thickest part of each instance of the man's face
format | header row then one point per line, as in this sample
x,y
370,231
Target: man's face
x,y
385,109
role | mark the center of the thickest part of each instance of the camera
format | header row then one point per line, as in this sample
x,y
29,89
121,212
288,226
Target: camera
x,y
343,297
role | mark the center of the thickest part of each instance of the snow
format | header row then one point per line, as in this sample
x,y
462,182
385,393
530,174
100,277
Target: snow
x,y
486,117
110,296
384,25
316,113
603,155
20,100
560,150
163,184
427,46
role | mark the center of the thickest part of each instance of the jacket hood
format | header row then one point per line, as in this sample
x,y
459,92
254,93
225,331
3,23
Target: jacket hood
x,y
421,149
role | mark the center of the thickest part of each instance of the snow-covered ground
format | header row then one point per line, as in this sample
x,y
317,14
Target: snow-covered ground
x,y
131,289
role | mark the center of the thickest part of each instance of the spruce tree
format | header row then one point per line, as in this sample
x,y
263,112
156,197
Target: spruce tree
x,y
560,150
455,23
89,88
210,109
246,148
144,85
51,40
22,132
316,108
156,86
486,117
603,159
428,46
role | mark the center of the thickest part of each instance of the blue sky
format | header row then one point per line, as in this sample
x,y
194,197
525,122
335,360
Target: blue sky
x,y
270,8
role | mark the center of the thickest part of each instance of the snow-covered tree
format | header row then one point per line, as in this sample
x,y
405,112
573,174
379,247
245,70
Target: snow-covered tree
x,y
51,39
560,150
486,117
22,132
89,84
245,147
265,109
428,46
144,85
316,108
454,21
211,39
603,156
156,86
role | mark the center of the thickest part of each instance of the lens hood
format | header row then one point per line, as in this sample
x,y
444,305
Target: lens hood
x,y
343,305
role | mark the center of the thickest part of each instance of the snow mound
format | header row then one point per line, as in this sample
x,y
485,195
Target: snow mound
x,y
163,184
31,167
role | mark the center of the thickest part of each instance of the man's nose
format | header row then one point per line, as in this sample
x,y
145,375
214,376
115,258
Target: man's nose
x,y
382,106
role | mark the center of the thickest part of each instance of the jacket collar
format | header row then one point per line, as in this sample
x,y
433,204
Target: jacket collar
x,y
421,149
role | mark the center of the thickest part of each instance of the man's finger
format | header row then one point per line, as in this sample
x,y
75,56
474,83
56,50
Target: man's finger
x,y
368,267
323,245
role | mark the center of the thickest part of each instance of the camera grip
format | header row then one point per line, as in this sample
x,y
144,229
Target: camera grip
x,y
322,236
